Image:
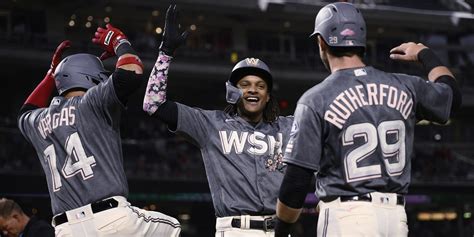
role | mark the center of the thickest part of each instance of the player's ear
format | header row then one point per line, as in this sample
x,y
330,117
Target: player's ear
x,y
322,45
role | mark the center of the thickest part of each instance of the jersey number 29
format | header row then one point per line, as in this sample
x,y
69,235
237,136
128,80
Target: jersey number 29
x,y
77,162
372,138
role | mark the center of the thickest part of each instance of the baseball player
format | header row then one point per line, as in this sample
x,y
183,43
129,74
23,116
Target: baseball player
x,y
77,139
355,129
242,146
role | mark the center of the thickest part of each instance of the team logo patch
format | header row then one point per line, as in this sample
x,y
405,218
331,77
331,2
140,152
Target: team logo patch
x,y
56,101
360,72
252,61
348,32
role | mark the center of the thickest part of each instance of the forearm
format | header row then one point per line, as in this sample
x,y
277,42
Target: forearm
x,y
155,93
433,65
439,73
293,190
40,95
286,213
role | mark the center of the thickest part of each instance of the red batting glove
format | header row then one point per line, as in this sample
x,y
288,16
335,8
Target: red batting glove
x,y
57,55
109,38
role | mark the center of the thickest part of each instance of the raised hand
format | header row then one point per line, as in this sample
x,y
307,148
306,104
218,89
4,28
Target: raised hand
x,y
57,56
109,38
172,39
407,52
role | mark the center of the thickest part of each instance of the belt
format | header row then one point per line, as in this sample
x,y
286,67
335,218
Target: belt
x,y
265,225
96,207
368,198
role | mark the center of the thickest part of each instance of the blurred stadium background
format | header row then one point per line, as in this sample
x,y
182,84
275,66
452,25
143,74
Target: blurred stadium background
x,y
165,172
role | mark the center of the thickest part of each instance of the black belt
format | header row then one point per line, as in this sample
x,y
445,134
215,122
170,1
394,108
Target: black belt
x,y
265,225
96,207
368,198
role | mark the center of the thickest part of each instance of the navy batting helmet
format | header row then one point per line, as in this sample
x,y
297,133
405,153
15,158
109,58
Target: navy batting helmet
x,y
248,66
79,71
340,24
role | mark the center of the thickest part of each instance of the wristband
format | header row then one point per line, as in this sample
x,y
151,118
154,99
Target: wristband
x,y
123,48
129,60
429,59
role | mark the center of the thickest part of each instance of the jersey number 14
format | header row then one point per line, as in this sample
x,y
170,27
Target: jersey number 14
x,y
77,162
372,138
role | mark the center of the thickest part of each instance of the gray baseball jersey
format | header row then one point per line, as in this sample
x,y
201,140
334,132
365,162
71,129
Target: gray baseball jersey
x,y
356,129
78,143
243,163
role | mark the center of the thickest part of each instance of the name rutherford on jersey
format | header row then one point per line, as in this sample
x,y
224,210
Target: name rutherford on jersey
x,y
51,121
356,97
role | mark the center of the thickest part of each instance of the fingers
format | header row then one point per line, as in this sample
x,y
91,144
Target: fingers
x,y
398,57
175,14
184,36
64,45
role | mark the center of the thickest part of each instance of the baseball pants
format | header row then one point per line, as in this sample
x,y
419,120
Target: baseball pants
x,y
224,227
380,217
121,221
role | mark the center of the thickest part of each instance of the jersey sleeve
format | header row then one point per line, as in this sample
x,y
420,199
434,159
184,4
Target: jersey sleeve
x,y
26,123
193,124
103,100
433,100
305,145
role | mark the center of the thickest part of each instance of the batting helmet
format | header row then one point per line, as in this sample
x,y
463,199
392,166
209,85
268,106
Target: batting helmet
x,y
340,24
79,71
248,66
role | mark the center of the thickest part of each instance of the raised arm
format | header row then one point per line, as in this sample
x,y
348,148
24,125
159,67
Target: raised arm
x,y
40,96
155,94
129,68
437,72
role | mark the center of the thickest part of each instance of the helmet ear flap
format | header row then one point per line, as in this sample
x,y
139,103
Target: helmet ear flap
x,y
233,94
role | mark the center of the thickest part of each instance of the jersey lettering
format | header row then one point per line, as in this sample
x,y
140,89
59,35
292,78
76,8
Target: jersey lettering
x,y
65,117
233,140
259,143
349,101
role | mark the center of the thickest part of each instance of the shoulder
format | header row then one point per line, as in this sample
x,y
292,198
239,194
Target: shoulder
x,y
285,119
192,111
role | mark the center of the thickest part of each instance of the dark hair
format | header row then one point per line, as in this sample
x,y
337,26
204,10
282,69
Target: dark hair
x,y
347,51
270,112
7,207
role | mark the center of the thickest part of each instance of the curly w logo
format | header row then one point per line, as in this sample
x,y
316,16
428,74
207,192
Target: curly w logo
x,y
252,61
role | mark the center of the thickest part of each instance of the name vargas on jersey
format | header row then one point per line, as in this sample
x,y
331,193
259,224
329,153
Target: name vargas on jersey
x,y
66,117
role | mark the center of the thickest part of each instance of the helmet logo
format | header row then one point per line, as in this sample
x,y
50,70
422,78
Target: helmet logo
x,y
347,32
252,61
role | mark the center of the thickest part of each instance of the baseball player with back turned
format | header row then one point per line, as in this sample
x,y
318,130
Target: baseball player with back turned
x,y
77,139
241,146
355,129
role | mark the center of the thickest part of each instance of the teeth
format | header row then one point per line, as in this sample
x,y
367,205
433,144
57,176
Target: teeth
x,y
252,99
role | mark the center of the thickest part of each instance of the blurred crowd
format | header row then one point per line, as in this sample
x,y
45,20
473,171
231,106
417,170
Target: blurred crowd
x,y
152,152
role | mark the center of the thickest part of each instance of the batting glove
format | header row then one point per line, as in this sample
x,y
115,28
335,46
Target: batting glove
x,y
109,38
172,39
58,55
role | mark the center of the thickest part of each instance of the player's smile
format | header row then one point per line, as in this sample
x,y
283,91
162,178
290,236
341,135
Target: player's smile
x,y
255,93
